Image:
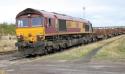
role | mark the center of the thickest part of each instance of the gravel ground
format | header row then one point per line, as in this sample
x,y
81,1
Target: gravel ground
x,y
32,66
58,67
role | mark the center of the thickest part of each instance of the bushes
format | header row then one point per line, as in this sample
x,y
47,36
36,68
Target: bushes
x,y
6,29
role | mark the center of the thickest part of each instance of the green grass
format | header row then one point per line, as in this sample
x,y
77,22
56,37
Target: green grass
x,y
80,52
114,51
6,29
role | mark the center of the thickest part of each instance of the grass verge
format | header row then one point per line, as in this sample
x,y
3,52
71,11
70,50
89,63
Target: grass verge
x,y
114,51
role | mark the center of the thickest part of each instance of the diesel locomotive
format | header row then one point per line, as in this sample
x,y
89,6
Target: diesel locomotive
x,y
40,32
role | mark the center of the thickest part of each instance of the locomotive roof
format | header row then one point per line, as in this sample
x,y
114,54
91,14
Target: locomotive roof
x,y
50,15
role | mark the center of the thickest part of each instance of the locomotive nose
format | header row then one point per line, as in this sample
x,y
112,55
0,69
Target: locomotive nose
x,y
32,34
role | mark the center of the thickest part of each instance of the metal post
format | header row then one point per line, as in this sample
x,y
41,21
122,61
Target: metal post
x,y
84,8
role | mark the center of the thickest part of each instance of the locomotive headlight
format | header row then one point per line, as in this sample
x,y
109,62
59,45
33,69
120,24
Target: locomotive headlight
x,y
39,37
29,15
20,38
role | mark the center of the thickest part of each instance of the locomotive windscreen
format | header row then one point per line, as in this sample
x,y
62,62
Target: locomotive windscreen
x,y
36,21
24,22
32,22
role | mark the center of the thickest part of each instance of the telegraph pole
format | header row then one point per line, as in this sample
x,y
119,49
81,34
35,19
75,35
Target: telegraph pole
x,y
84,8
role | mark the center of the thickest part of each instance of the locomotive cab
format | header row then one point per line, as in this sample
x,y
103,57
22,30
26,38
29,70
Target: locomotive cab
x,y
30,26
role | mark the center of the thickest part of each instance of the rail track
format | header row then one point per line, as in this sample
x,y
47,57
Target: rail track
x,y
8,52
9,57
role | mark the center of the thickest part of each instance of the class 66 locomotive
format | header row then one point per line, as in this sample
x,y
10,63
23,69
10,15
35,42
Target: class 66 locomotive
x,y
40,32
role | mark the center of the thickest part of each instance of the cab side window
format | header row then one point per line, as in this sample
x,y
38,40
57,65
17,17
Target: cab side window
x,y
91,29
86,27
49,22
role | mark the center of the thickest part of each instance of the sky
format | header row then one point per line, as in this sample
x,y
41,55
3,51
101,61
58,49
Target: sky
x,y
100,12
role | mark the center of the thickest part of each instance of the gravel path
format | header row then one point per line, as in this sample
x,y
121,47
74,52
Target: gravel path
x,y
61,67
65,68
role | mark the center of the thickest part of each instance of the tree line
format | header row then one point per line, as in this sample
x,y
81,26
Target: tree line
x,y
7,29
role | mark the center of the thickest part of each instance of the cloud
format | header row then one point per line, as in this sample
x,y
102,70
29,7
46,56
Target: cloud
x,y
99,12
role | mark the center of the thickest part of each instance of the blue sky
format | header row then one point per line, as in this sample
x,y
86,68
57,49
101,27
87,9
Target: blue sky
x,y
99,12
